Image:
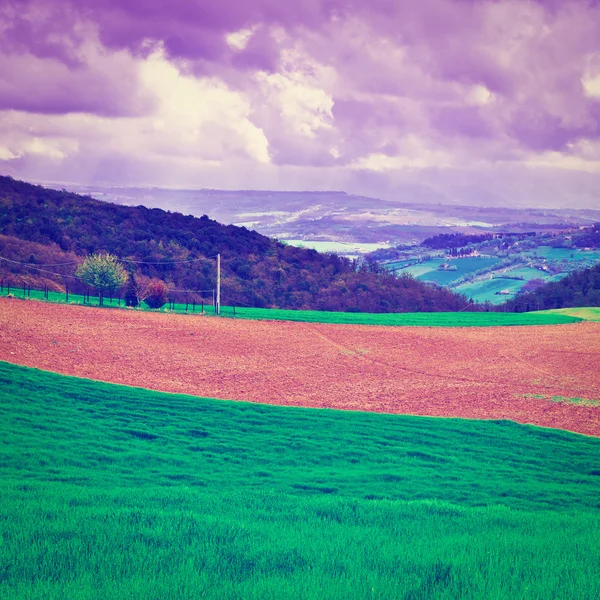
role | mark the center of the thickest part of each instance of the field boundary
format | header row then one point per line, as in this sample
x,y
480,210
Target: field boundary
x,y
419,319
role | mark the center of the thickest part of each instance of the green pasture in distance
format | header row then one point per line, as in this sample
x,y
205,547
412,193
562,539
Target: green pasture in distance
x,y
423,268
485,289
422,319
428,270
526,273
590,313
464,266
114,492
550,253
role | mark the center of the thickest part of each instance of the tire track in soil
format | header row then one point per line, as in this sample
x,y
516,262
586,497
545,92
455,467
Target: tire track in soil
x,y
381,363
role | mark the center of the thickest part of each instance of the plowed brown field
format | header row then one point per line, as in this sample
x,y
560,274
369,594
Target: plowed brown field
x,y
480,373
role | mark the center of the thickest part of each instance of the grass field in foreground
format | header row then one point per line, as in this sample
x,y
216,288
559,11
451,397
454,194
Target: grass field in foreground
x,y
422,319
113,492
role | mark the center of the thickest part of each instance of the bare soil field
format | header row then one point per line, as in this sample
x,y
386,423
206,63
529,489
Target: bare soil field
x,y
479,373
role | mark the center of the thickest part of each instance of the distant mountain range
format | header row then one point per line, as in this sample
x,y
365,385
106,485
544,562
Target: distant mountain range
x,y
340,217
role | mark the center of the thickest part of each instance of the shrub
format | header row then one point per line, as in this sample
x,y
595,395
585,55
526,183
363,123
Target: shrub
x,y
156,293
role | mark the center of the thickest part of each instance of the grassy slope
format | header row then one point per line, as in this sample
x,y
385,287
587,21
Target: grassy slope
x,y
113,492
464,266
485,290
427,271
585,313
437,319
564,253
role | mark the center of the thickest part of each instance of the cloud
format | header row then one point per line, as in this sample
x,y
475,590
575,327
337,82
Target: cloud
x,y
196,122
106,85
343,87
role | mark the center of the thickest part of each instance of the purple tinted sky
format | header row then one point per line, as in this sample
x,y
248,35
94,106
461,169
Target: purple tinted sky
x,y
364,96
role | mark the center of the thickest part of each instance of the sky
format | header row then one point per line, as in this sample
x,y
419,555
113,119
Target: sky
x,y
380,97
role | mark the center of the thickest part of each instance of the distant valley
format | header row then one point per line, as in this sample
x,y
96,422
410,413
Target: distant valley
x,y
487,255
348,223
495,267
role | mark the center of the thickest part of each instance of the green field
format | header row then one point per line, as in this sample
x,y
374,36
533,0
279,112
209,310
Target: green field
x,y
424,319
585,313
526,273
485,289
428,271
61,298
433,319
113,492
550,253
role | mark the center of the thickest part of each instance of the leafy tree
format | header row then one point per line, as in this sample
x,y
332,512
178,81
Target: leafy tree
x,y
104,272
156,293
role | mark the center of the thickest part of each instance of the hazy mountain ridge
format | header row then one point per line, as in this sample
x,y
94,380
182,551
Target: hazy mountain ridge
x,y
339,216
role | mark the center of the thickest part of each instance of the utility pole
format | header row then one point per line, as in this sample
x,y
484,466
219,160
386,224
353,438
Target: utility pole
x,y
218,306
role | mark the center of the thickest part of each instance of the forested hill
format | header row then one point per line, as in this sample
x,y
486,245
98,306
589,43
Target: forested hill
x,y
43,228
577,289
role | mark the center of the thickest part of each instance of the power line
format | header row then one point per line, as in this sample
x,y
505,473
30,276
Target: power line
x,y
42,270
171,262
192,291
38,268
27,264
238,303
139,262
